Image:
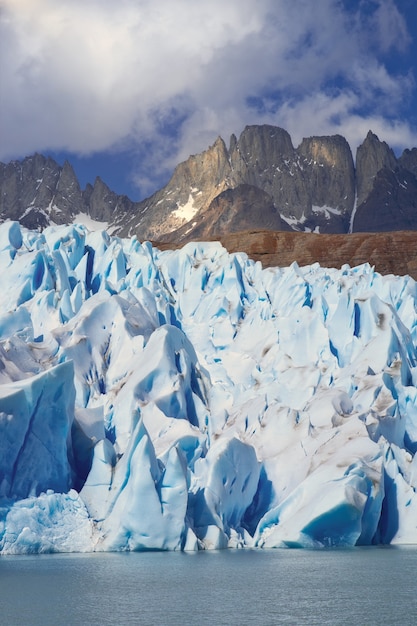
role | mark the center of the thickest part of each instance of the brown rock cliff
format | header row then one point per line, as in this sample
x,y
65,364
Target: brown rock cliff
x,y
389,253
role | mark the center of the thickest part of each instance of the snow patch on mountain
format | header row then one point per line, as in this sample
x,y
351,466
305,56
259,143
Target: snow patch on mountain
x,y
327,211
187,211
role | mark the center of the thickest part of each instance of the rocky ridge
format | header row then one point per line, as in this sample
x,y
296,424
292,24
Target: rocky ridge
x,y
38,192
260,186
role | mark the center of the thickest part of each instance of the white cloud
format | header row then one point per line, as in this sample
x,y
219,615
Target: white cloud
x,y
88,75
390,26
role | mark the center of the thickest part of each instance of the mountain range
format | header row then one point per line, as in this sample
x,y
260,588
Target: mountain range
x,y
259,184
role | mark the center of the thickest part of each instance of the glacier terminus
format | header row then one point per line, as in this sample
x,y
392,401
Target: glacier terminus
x,y
190,399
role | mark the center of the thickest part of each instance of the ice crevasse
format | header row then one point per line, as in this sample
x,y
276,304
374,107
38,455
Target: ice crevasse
x,y
191,399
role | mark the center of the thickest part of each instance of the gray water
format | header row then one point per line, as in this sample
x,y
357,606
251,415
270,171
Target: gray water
x,y
356,587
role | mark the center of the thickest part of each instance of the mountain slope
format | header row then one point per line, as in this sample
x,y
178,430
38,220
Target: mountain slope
x,y
389,253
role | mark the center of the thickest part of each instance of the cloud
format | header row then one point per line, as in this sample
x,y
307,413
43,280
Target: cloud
x,y
94,75
390,26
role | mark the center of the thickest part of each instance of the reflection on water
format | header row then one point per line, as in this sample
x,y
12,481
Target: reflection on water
x,y
358,587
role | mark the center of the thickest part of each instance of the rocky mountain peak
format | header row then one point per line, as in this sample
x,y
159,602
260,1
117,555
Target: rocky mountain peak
x,y
204,170
265,145
67,196
193,185
264,157
100,200
386,188
408,160
329,151
371,156
29,188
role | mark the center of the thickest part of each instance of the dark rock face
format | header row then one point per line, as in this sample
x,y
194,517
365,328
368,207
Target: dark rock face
x,y
408,160
371,156
103,205
387,188
260,182
328,164
391,204
244,206
37,191
265,157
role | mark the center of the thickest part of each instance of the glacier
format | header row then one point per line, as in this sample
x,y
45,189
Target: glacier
x,y
190,399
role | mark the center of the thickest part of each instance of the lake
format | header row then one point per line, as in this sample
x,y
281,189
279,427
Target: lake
x,y
357,587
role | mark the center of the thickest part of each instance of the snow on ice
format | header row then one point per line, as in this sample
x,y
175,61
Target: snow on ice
x,y
190,399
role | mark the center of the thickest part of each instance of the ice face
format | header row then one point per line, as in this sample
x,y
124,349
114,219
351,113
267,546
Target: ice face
x,y
189,399
35,422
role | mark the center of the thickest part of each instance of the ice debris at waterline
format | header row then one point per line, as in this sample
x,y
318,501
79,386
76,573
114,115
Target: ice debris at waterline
x,y
190,399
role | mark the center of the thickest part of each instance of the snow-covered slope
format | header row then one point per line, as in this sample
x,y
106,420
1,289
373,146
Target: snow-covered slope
x,y
190,399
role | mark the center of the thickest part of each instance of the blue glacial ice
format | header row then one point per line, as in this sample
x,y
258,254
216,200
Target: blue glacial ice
x,y
191,399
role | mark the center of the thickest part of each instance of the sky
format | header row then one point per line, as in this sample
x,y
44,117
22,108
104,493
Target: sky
x,y
128,89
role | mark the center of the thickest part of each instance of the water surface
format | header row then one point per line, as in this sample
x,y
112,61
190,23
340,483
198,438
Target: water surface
x,y
358,587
